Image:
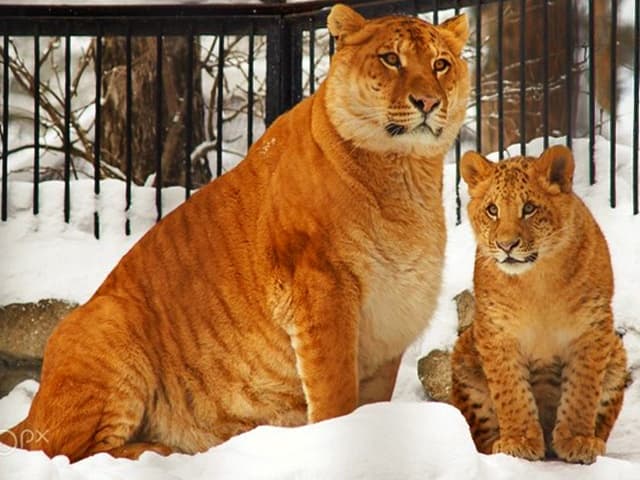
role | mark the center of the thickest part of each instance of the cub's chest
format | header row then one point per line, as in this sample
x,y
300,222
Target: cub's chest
x,y
546,332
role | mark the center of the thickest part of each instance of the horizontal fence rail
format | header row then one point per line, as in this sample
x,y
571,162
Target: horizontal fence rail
x,y
216,75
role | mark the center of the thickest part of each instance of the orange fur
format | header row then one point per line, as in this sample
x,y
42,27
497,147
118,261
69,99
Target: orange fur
x,y
285,291
541,370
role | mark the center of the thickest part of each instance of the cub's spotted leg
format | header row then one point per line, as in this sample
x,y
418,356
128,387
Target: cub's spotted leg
x,y
323,334
470,393
615,379
574,438
508,379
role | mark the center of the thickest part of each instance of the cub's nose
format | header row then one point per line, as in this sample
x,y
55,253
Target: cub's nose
x,y
509,245
425,103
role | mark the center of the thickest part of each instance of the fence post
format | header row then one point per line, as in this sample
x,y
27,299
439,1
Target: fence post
x,y
295,44
278,77
284,68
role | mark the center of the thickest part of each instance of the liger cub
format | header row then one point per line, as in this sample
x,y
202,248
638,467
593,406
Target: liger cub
x,y
541,371
285,291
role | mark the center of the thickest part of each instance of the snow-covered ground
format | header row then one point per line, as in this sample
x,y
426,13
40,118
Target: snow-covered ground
x,y
42,257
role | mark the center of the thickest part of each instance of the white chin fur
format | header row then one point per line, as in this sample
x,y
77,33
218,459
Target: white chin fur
x,y
515,268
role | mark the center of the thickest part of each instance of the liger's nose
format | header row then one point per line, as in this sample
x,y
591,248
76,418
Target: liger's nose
x,y
509,245
425,104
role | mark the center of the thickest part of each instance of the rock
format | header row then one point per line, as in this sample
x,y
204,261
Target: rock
x,y
25,327
24,330
14,370
466,306
434,371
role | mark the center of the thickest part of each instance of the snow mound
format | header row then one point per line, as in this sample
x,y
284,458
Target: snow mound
x,y
394,440
385,440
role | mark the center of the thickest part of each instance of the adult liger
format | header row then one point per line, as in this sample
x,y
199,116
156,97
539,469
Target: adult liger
x,y
285,291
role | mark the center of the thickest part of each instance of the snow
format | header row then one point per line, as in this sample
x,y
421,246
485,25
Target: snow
x,y
407,438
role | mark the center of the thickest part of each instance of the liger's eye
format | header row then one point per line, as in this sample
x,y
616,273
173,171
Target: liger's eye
x,y
392,59
528,208
440,65
492,210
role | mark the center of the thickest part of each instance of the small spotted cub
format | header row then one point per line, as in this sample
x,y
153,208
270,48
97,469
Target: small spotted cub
x,y
541,372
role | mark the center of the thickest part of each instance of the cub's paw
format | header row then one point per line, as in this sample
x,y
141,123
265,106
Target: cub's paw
x,y
522,447
579,448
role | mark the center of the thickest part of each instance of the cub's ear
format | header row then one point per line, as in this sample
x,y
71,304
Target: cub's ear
x,y
342,21
556,165
474,168
456,32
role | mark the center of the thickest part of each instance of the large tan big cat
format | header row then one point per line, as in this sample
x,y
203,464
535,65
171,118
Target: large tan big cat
x,y
541,370
285,291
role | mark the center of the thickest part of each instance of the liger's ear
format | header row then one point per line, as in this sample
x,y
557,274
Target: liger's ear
x,y
556,165
456,32
474,168
343,21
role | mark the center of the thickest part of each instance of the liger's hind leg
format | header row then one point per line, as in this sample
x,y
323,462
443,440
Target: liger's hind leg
x,y
379,387
96,382
78,419
117,432
470,393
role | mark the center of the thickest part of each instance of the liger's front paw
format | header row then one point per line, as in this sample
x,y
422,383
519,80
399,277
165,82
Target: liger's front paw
x,y
579,448
521,446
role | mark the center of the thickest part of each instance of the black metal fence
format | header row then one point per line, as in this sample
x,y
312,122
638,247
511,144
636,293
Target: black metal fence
x,y
568,85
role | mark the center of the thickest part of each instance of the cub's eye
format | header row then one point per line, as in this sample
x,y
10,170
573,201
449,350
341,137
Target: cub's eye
x,y
492,210
391,59
528,208
440,65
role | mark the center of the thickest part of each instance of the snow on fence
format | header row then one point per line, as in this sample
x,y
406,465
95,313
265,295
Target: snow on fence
x,y
163,95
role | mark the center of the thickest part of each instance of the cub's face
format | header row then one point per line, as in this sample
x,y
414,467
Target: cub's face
x,y
397,83
518,207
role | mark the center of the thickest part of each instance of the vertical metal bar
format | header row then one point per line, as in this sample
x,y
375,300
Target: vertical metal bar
x,y
457,153
479,75
250,92
414,8
5,125
612,140
636,106
97,129
592,96
220,105
545,73
36,120
159,126
188,131
128,129
569,78
332,45
500,79
312,56
295,93
436,8
278,73
458,201
284,67
523,63
67,121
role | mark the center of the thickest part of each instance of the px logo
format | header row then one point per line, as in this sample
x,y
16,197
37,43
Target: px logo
x,y
26,436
